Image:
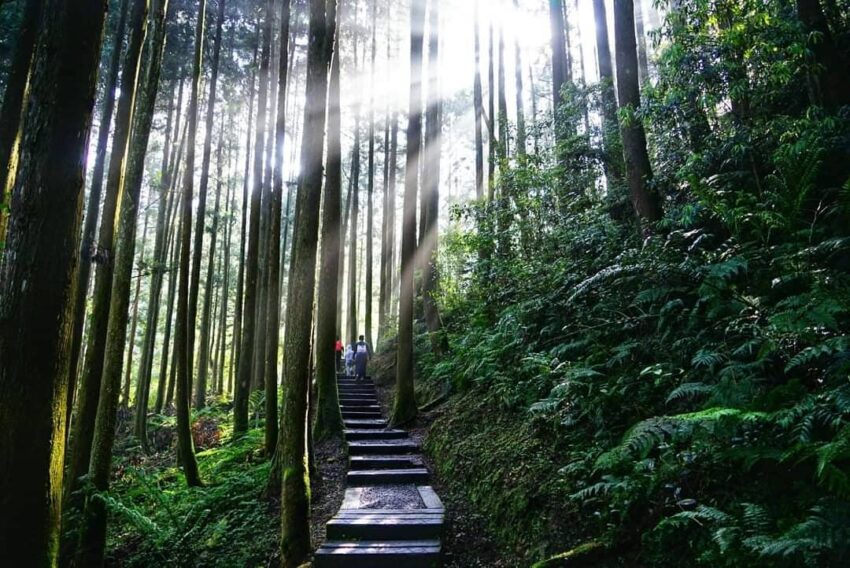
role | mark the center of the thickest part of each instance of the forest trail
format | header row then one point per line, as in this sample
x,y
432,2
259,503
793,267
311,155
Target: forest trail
x,y
390,516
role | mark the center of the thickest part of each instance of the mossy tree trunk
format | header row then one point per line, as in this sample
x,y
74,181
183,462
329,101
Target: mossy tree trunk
x,y
328,417
404,408
295,490
36,318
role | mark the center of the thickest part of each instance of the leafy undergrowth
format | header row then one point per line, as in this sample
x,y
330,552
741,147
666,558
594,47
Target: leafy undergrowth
x,y
156,520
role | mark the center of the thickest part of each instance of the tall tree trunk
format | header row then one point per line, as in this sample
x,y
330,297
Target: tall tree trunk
x,y
404,408
478,107
93,537
640,35
341,271
240,280
165,385
93,208
184,327
273,311
521,134
206,316
225,289
370,261
131,344
612,164
166,205
295,490
491,116
36,319
560,62
328,417
646,201
84,420
200,223
431,186
12,110
246,351
394,272
353,236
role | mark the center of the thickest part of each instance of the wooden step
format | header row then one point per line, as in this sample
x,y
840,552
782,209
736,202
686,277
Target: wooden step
x,y
358,395
414,476
366,423
373,414
382,447
381,462
365,434
356,390
378,554
368,525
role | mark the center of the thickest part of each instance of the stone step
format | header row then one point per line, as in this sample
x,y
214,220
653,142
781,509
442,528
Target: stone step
x,y
378,554
415,476
357,395
366,423
367,525
382,447
356,389
366,434
381,462
343,402
373,414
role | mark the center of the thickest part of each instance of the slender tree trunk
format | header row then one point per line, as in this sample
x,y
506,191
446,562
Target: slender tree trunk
x,y
166,205
246,352
12,110
328,417
131,344
341,269
612,164
200,223
404,408
240,281
185,323
95,191
370,261
295,489
431,186
491,117
93,537
521,134
643,59
206,317
87,408
165,385
353,236
560,62
36,319
478,106
273,312
646,201
391,237
225,289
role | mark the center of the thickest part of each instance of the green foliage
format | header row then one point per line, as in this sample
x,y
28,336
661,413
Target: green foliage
x,y
156,520
690,389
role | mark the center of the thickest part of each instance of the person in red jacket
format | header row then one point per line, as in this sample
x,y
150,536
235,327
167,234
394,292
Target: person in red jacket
x,y
339,354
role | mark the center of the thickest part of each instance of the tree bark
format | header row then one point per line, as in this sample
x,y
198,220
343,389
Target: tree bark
x,y
612,164
200,223
36,319
295,498
431,187
131,344
646,201
246,351
404,408
370,261
240,280
328,417
13,108
831,80
273,309
93,537
521,134
90,386
183,328
93,207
